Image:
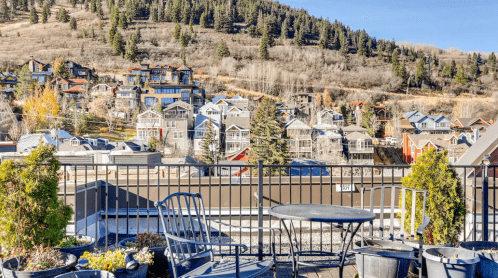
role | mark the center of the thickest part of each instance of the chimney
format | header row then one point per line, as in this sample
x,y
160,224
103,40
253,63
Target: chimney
x,y
476,135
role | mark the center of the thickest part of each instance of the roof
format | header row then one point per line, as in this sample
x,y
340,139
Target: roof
x,y
151,111
183,67
357,135
75,89
439,140
350,128
329,134
201,118
178,103
128,145
218,97
410,114
468,122
78,81
31,141
296,124
240,122
325,126
484,145
62,134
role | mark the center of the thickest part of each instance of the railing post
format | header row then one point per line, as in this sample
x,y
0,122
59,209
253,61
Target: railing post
x,y
485,203
260,209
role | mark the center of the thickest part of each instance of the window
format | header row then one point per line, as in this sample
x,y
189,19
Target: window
x,y
144,67
186,95
187,72
178,135
150,100
423,125
75,143
166,101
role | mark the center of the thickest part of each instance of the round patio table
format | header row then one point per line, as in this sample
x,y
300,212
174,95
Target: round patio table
x,y
321,213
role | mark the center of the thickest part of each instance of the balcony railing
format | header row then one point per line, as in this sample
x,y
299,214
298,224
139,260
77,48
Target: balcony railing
x,y
360,150
116,200
300,149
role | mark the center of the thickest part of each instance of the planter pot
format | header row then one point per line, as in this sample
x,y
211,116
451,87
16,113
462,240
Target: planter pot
x,y
141,272
79,250
488,266
162,265
389,260
415,245
11,264
450,262
87,274
189,265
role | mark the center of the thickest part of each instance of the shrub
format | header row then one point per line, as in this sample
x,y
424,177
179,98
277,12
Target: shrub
x,y
111,261
444,202
31,213
103,129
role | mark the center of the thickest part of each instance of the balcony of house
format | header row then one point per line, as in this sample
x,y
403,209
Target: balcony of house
x,y
176,115
353,148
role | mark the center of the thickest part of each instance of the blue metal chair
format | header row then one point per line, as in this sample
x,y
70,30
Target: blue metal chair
x,y
189,237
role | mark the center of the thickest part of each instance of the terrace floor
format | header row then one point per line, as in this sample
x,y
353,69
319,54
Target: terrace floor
x,y
284,270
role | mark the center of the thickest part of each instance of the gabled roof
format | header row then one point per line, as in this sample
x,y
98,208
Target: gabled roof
x,y
354,128
151,111
201,119
234,108
128,146
242,122
237,97
75,89
410,114
31,141
237,127
183,67
468,122
178,104
357,135
328,111
484,145
223,100
325,126
62,134
218,97
296,124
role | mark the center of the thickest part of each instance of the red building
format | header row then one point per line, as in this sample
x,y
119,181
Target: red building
x,y
414,145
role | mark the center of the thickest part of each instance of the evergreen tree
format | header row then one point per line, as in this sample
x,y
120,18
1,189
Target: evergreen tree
x,y
420,73
263,47
63,15
253,31
453,68
112,32
45,14
485,71
492,62
222,21
103,39
380,52
435,60
73,3
93,6
285,28
117,44
447,71
344,43
33,16
123,22
362,44
204,19
323,43
73,23
411,55
92,34
207,141
186,13
100,11
83,35
222,49
153,14
175,11
114,16
369,48
184,39
138,36
5,10
460,76
131,48
267,137
474,70
178,31
395,60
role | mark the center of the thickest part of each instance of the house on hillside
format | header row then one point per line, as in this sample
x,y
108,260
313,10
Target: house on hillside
x,y
8,147
432,124
346,130
178,121
29,142
71,88
78,71
165,94
160,74
240,102
201,123
218,97
102,89
359,148
403,125
223,106
329,116
8,81
40,72
128,99
414,145
77,144
286,113
469,124
328,142
237,132
149,126
300,142
211,110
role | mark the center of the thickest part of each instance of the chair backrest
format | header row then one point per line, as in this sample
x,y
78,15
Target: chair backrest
x,y
185,227
405,193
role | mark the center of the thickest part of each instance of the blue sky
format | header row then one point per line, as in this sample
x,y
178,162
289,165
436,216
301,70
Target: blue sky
x,y
467,25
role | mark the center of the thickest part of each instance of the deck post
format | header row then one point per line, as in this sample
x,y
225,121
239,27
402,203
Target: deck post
x,y
260,209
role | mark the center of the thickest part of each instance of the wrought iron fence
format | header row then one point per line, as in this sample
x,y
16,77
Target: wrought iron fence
x,y
115,201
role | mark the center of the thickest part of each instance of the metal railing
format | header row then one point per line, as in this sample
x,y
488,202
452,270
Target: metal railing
x,y
116,201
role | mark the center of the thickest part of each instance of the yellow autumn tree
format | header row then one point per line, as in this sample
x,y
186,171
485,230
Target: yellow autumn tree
x,y
40,108
327,100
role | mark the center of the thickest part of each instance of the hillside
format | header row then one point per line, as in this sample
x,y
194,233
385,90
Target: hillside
x,y
290,69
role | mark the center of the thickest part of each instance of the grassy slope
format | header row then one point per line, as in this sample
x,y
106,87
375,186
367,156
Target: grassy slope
x,y
290,70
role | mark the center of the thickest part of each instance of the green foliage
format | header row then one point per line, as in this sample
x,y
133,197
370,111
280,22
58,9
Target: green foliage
x,y
112,260
70,242
103,39
152,145
460,76
72,24
366,118
344,43
474,70
83,34
33,16
492,62
117,44
204,20
131,48
421,72
63,15
263,47
92,33
123,22
185,39
112,32
267,137
362,44
30,211
444,203
222,49
253,31
207,140
178,31
24,79
222,20
285,28
447,71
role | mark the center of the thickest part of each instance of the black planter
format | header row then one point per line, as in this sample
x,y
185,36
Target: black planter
x,y
390,260
451,262
87,274
488,266
79,250
160,266
11,264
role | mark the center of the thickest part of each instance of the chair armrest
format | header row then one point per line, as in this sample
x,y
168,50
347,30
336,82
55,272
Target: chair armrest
x,y
241,227
425,221
183,240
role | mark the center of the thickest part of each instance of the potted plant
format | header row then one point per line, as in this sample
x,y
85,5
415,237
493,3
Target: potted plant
x,y
77,245
31,214
488,254
41,262
117,262
157,243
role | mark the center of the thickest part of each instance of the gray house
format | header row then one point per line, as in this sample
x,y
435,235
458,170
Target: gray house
x,y
431,124
177,122
359,149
